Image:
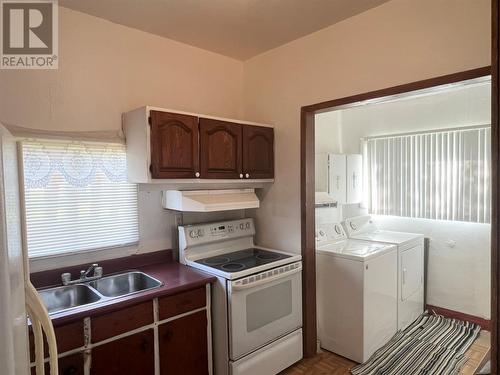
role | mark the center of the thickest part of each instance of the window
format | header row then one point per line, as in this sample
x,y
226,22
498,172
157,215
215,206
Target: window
x,y
77,197
441,175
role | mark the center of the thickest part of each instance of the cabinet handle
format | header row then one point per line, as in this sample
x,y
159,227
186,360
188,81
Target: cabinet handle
x,y
247,175
338,183
241,175
354,180
197,174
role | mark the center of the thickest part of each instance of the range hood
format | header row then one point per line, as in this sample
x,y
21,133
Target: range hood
x,y
209,200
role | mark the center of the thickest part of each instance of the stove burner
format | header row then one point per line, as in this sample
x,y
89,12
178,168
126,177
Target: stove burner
x,y
267,256
240,260
215,261
232,267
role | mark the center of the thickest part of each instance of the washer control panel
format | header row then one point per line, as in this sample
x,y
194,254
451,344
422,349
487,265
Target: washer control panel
x,y
211,232
331,232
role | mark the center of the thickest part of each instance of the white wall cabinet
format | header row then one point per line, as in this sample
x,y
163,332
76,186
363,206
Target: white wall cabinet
x,y
354,177
337,173
345,178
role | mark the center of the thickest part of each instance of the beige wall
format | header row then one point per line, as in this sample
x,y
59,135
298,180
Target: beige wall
x,y
398,42
106,69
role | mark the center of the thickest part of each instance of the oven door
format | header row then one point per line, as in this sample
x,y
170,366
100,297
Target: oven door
x,y
264,307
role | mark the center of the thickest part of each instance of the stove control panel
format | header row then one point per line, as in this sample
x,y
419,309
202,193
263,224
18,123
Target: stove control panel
x,y
212,232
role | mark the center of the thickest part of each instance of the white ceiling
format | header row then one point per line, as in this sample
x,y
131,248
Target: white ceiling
x,y
237,28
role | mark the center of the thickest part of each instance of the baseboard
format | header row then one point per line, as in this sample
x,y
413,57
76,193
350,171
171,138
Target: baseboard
x,y
484,323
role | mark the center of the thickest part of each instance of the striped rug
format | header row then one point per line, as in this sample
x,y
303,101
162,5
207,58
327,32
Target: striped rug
x,y
432,345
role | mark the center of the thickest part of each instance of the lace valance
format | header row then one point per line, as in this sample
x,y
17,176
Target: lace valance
x,y
78,163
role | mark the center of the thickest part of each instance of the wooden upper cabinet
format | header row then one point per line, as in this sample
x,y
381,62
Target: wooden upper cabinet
x,y
258,152
174,145
220,149
190,146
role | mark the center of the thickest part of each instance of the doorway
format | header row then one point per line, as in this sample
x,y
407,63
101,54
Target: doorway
x,y
308,186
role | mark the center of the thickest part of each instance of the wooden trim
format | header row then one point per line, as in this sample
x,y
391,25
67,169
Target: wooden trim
x,y
495,172
307,233
307,186
484,323
400,89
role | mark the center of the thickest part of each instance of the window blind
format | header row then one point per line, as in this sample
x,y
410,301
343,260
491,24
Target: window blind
x,y
442,175
77,197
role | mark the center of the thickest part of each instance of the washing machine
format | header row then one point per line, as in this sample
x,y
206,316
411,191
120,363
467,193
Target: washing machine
x,y
356,289
410,263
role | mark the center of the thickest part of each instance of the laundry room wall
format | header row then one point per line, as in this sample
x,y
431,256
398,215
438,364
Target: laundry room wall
x,y
459,252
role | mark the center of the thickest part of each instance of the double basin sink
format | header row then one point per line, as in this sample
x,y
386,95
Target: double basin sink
x,y
67,297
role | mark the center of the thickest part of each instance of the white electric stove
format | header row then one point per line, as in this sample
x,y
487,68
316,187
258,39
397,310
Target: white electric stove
x,y
256,302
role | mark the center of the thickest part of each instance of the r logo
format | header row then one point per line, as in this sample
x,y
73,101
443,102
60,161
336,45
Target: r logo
x,y
29,29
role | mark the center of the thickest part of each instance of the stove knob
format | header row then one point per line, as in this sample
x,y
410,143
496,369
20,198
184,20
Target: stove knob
x,y
201,232
192,234
247,225
242,226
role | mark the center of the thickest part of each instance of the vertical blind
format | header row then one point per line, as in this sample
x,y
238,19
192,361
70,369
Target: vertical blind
x,y
77,197
442,175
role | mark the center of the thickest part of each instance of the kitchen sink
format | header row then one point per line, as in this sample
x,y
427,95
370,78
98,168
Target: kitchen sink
x,y
103,289
125,283
67,297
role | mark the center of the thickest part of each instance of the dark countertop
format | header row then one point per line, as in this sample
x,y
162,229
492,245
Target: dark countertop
x,y
175,277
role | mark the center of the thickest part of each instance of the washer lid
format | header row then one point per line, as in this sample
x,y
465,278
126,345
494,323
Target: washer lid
x,y
388,236
356,250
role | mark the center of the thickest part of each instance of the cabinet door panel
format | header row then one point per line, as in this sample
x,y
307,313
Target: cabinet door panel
x,y
354,178
174,145
258,152
121,321
220,149
183,345
130,355
181,303
337,177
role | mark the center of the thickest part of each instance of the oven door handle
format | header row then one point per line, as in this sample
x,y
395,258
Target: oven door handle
x,y
265,280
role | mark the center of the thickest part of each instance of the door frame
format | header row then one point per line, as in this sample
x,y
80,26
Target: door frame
x,y
307,192
495,172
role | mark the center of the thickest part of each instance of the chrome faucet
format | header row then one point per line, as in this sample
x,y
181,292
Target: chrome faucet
x,y
84,275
